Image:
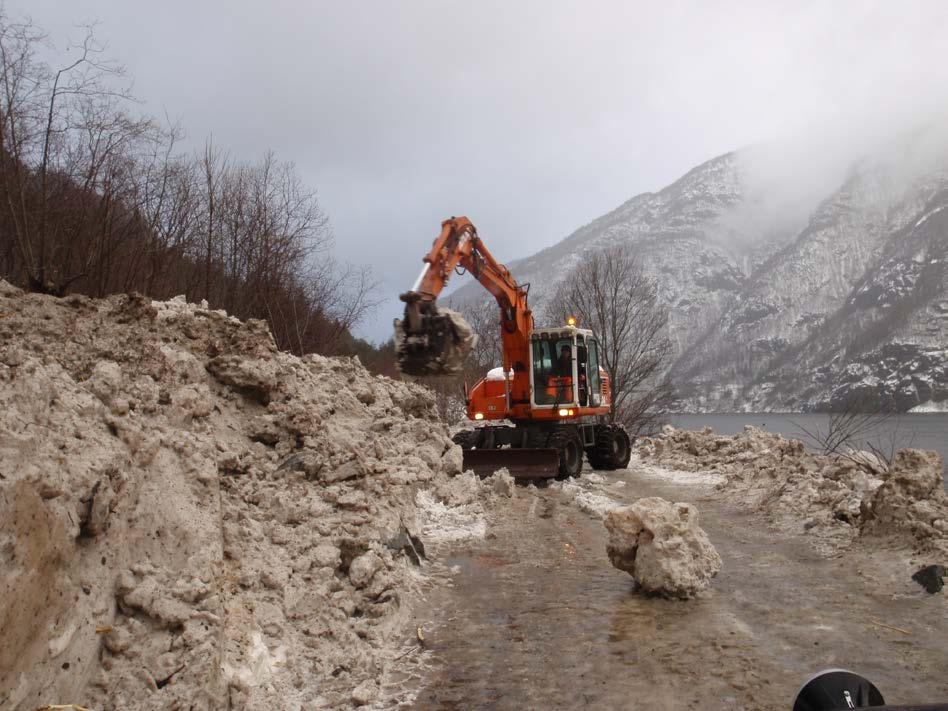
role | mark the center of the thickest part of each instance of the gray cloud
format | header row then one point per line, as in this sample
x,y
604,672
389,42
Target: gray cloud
x,y
532,117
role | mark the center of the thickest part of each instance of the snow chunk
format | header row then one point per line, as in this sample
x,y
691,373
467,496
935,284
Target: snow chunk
x,y
495,374
446,523
662,547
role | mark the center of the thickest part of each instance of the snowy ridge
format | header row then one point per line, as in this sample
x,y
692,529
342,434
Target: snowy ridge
x,y
847,300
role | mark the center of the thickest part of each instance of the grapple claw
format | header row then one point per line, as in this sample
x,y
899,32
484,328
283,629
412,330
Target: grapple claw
x,y
431,341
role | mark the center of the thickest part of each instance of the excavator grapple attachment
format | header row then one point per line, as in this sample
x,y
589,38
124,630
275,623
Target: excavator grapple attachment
x,y
432,341
521,463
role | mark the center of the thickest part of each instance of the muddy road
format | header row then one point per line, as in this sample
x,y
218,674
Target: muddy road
x,y
537,618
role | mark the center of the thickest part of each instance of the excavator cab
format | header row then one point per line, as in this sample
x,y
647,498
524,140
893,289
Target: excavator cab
x,y
565,369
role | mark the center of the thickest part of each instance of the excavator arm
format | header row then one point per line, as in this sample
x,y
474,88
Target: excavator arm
x,y
433,341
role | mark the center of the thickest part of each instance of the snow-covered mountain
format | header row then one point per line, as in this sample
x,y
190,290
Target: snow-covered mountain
x,y
775,309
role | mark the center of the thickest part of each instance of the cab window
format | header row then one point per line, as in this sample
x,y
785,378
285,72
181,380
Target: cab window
x,y
592,369
553,371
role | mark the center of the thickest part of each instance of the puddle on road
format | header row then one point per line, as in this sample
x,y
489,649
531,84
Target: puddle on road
x,y
474,563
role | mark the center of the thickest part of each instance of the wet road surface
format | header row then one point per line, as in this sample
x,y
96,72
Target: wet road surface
x,y
537,618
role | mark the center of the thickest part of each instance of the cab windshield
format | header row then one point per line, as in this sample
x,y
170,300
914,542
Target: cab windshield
x,y
553,371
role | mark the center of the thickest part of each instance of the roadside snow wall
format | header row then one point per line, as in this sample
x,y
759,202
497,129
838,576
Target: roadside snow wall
x,y
836,500
191,519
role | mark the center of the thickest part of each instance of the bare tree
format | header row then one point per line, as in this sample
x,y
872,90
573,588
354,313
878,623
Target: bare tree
x,y
64,137
95,199
860,426
484,318
609,293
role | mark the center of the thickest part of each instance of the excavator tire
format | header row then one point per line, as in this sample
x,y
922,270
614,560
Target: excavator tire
x,y
569,444
468,439
612,449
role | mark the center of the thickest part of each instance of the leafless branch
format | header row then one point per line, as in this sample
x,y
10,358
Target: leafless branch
x,y
610,293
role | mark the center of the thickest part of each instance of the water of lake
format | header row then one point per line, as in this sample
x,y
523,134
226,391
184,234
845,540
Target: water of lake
x,y
920,430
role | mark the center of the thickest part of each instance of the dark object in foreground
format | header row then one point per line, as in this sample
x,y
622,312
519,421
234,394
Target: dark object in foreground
x,y
409,544
838,689
931,578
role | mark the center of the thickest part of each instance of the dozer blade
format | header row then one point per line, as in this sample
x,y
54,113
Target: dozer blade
x,y
432,341
521,463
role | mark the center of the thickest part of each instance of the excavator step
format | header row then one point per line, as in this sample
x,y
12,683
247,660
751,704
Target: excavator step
x,y
521,463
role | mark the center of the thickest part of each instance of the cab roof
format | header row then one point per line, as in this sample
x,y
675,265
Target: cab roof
x,y
560,332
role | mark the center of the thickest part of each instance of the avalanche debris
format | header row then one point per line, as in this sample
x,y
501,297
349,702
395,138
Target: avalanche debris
x,y
835,499
190,518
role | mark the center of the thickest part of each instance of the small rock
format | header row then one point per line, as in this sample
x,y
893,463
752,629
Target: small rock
x,y
502,483
453,460
363,568
273,580
911,498
365,693
931,578
269,617
344,472
253,377
106,380
194,399
353,501
410,545
326,555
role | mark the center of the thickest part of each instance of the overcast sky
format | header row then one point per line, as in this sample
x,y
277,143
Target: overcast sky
x,y
532,118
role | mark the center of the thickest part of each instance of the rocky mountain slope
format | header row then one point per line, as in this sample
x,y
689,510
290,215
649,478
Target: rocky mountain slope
x,y
789,309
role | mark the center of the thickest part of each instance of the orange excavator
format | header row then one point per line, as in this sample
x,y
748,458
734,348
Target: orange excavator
x,y
550,390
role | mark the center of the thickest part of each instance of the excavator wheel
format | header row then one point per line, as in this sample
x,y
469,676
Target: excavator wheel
x,y
612,449
468,439
569,444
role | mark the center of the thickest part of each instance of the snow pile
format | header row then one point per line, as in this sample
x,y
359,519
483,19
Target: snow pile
x,y
831,496
586,497
912,499
662,547
456,509
190,518
452,511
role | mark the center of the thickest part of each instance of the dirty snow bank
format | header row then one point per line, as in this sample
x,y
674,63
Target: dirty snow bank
x,y
662,547
190,518
836,500
456,509
585,493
